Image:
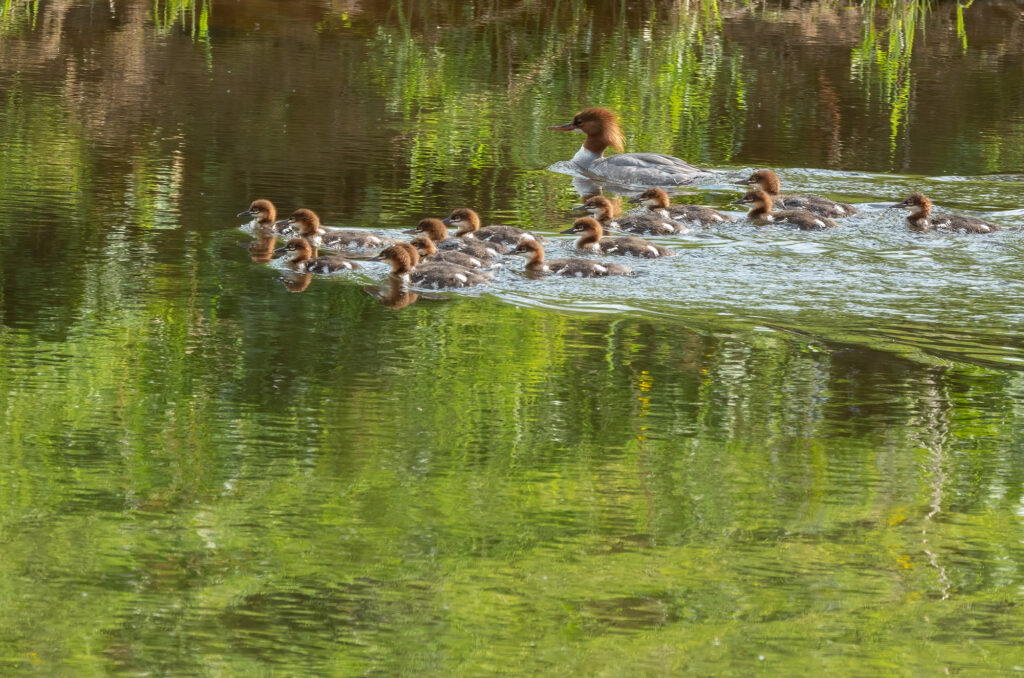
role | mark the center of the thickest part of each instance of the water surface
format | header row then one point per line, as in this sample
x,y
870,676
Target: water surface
x,y
779,452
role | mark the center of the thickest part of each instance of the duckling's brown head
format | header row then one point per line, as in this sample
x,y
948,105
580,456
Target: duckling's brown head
x,y
588,225
528,246
304,221
758,199
766,180
432,228
424,245
599,206
654,198
918,203
401,256
263,210
464,219
299,247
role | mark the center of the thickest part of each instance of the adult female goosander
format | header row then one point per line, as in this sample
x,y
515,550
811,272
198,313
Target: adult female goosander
x,y
302,259
429,253
468,223
921,218
768,181
264,213
628,169
404,261
761,213
657,201
307,225
591,241
438,233
602,209
578,268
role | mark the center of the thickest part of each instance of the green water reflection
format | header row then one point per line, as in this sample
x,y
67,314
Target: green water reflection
x,y
771,454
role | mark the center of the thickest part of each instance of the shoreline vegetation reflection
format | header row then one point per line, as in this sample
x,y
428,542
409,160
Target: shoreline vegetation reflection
x,y
778,452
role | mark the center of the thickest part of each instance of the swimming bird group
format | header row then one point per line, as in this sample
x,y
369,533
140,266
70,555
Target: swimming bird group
x,y
436,259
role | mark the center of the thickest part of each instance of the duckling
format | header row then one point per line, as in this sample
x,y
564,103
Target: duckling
x,y
578,268
263,210
768,181
468,223
656,200
922,220
404,261
303,259
604,211
591,241
438,233
761,213
428,252
264,213
307,224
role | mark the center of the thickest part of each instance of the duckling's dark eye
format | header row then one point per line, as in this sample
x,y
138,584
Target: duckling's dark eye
x,y
577,122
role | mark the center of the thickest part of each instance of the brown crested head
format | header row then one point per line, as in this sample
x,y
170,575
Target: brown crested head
x,y
263,210
465,219
653,197
432,228
529,246
300,247
587,225
306,221
918,202
757,198
601,127
600,206
424,245
766,180
402,256
410,251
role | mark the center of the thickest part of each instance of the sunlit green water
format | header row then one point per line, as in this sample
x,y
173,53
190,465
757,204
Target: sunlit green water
x,y
775,453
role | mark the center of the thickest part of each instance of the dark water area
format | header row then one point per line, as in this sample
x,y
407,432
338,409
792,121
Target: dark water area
x,y
777,452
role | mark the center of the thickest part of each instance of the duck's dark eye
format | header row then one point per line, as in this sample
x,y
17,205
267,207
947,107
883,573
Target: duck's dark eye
x,y
577,122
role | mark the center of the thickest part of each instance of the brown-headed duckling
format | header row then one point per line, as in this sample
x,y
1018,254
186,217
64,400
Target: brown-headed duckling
x,y
306,224
438,233
428,253
922,218
602,209
303,259
768,181
573,268
761,213
467,223
264,214
405,265
656,200
591,241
